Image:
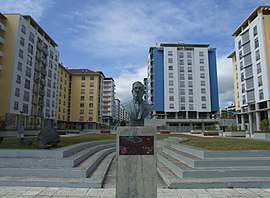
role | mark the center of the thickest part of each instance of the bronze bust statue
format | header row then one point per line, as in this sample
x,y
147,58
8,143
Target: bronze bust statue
x,y
137,108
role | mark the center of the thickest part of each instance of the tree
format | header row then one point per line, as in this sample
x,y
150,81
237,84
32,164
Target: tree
x,y
265,125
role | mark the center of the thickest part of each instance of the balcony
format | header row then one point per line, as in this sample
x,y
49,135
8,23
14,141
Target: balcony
x,y
46,51
36,89
39,46
38,57
43,71
2,27
37,79
35,101
42,92
2,40
41,103
42,81
38,68
44,61
35,112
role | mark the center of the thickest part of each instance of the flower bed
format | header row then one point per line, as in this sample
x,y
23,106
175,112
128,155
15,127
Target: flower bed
x,y
164,131
264,135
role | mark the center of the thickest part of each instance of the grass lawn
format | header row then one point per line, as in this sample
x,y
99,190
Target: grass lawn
x,y
65,141
209,143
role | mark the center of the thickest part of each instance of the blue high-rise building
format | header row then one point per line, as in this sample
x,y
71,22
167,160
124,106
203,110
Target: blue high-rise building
x,y
182,84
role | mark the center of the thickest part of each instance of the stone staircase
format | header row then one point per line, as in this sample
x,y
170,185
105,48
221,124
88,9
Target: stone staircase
x,y
80,165
182,166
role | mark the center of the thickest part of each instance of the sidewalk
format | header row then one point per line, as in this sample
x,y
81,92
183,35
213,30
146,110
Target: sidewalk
x,y
43,192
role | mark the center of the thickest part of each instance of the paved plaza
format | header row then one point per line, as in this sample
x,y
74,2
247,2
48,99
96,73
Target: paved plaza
x,y
42,192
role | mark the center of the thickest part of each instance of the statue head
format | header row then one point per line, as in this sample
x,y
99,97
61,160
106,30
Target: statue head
x,y
138,90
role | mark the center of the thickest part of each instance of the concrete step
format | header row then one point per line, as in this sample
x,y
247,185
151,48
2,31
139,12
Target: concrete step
x,y
81,171
196,162
70,161
204,154
183,171
174,182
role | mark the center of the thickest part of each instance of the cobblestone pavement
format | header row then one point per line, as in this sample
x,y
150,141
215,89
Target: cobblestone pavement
x,y
42,192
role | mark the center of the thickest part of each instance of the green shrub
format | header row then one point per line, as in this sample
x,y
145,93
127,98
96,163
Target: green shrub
x,y
233,127
164,127
265,125
2,123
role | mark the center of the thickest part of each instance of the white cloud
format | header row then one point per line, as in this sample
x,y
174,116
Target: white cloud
x,y
225,81
35,8
124,82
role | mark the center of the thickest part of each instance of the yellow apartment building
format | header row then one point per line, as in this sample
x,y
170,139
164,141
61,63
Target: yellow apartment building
x,y
28,72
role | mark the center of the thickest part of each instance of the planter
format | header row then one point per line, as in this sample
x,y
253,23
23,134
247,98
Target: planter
x,y
164,131
211,133
235,133
196,131
263,135
105,131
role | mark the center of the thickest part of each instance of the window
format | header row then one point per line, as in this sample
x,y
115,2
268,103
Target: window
x,y
191,107
82,97
202,83
28,72
23,29
259,69
91,104
243,88
261,94
201,68
18,79
190,84
81,111
182,91
19,66
189,69
50,73
242,77
91,91
256,43
49,83
90,118
200,53
30,48
170,60
190,99
203,98
182,99
244,99
16,105
181,62
203,91
182,76
189,62
171,90
51,55
81,104
190,91
170,53
239,44
255,31
27,84
83,77
22,41
82,91
171,82
257,55
240,55
189,76
48,93
171,98
181,54
81,118
202,75
241,65
182,83
203,106
83,84
182,69
189,54
182,107
29,60
201,60
47,103
91,98
171,106
91,84
91,111
260,83
26,96
53,95
25,108
170,67
50,64
21,53
92,77
170,75
31,37
17,92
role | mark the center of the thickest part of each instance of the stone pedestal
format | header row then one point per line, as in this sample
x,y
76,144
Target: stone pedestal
x,y
136,162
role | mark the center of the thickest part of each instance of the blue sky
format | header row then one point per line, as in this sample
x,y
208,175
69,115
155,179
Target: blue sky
x,y
114,36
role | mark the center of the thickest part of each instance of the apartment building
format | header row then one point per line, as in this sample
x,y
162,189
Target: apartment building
x,y
85,98
182,85
117,104
28,72
108,103
124,115
251,61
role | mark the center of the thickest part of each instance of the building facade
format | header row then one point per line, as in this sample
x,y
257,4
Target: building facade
x,y
182,85
28,72
251,61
